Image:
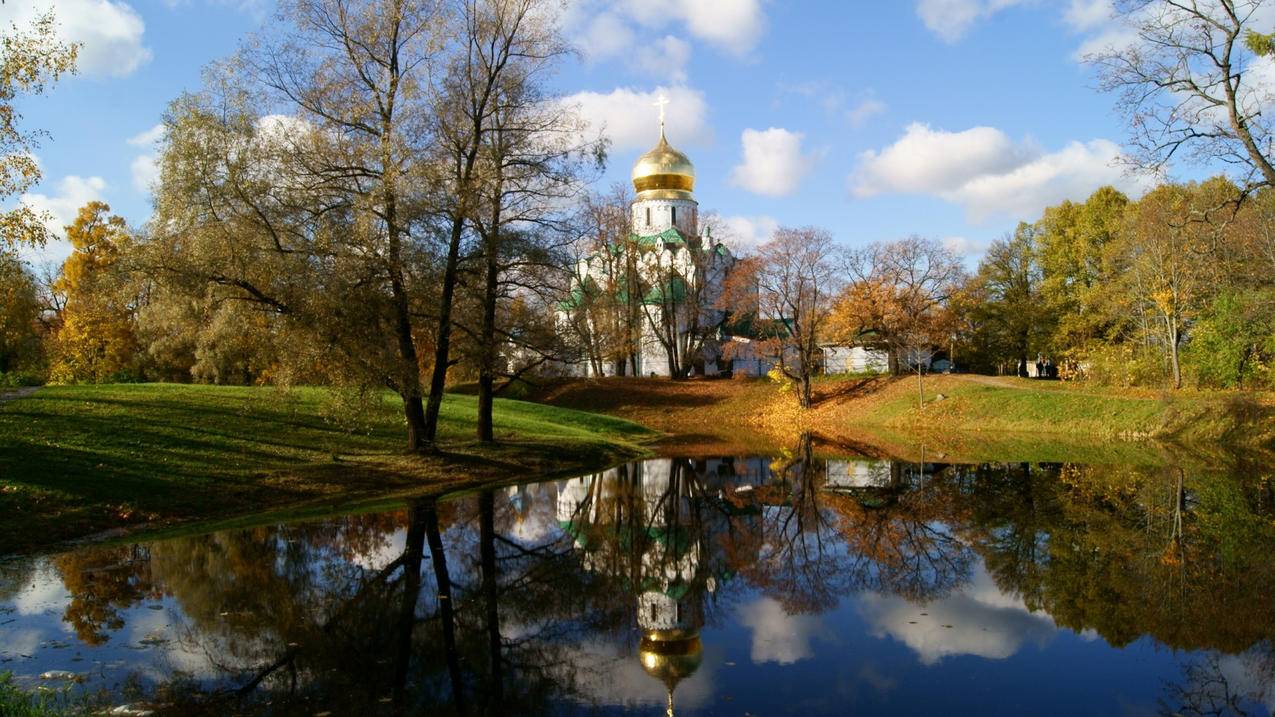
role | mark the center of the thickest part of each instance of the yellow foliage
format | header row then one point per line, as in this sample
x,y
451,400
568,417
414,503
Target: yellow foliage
x,y
96,340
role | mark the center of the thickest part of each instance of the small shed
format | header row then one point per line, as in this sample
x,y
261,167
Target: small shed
x,y
838,358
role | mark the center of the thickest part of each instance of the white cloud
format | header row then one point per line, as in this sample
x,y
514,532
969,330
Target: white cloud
x,y
1085,15
145,171
987,173
628,116
744,234
951,19
145,167
111,32
926,160
865,110
73,192
964,246
733,25
773,163
982,621
606,35
664,59
149,138
1071,173
834,100
778,636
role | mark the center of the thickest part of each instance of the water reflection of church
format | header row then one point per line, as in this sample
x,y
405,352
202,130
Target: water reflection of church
x,y
653,527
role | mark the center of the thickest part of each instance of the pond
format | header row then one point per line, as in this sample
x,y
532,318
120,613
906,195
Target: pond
x,y
803,584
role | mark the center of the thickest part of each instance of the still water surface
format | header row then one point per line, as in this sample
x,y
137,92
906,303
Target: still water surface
x,y
801,584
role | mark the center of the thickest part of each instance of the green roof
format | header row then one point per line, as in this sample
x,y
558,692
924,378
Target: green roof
x,y
668,236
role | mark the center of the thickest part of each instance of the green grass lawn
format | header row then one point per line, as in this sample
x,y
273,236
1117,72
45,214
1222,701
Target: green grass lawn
x,y
76,460
1052,408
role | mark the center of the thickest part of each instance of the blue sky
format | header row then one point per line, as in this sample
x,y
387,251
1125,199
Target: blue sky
x,y
947,118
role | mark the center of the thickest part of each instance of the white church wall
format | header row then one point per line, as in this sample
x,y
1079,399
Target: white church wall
x,y
652,216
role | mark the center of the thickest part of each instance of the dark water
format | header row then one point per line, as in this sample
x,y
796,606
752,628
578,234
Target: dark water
x,y
793,585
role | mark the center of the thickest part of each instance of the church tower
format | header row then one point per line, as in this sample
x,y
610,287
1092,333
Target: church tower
x,y
664,179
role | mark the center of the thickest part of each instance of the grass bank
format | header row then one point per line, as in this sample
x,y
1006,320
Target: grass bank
x,y
966,418
78,460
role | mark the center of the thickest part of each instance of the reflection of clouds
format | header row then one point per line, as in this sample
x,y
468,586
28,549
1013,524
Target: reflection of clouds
x,y
387,550
533,528
45,593
984,622
1252,675
157,631
778,636
606,676
533,519
15,643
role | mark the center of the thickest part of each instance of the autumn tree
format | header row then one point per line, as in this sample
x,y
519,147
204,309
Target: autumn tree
x,y
1166,274
792,280
498,44
602,320
530,166
31,59
897,300
19,312
1009,278
1075,246
96,340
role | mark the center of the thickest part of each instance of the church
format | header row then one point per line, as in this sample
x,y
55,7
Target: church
x,y
662,287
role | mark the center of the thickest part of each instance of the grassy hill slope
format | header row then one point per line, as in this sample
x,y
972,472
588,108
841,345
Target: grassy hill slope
x,y
75,460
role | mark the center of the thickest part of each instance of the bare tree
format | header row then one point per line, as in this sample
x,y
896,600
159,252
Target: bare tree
x,y
792,280
498,41
602,318
530,166
1184,84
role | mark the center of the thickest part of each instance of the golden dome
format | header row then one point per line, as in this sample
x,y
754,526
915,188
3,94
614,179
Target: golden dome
x,y
663,169
670,660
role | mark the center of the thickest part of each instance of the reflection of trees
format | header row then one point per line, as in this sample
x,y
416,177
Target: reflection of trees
x,y
1129,551
101,583
909,546
1209,688
800,564
335,613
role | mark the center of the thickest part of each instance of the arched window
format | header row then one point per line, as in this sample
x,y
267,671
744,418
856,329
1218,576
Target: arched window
x,y
675,215
648,216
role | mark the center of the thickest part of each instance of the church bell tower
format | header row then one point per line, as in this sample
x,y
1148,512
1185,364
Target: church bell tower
x,y
664,179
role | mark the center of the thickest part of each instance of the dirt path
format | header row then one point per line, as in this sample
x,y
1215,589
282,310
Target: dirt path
x,y
6,396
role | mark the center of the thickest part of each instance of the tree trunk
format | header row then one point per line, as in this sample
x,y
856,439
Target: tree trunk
x,y
447,613
413,552
1174,340
491,597
442,346
419,434
920,386
487,335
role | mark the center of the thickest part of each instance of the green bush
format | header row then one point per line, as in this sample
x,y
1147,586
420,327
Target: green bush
x,y
1233,343
14,379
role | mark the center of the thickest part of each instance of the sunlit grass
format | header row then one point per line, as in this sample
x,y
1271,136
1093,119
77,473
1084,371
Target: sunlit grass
x,y
77,459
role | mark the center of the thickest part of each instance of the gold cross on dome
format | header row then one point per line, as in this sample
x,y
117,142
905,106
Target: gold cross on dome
x,y
662,102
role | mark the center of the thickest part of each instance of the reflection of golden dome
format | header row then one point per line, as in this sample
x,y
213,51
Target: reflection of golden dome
x,y
671,656
664,170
